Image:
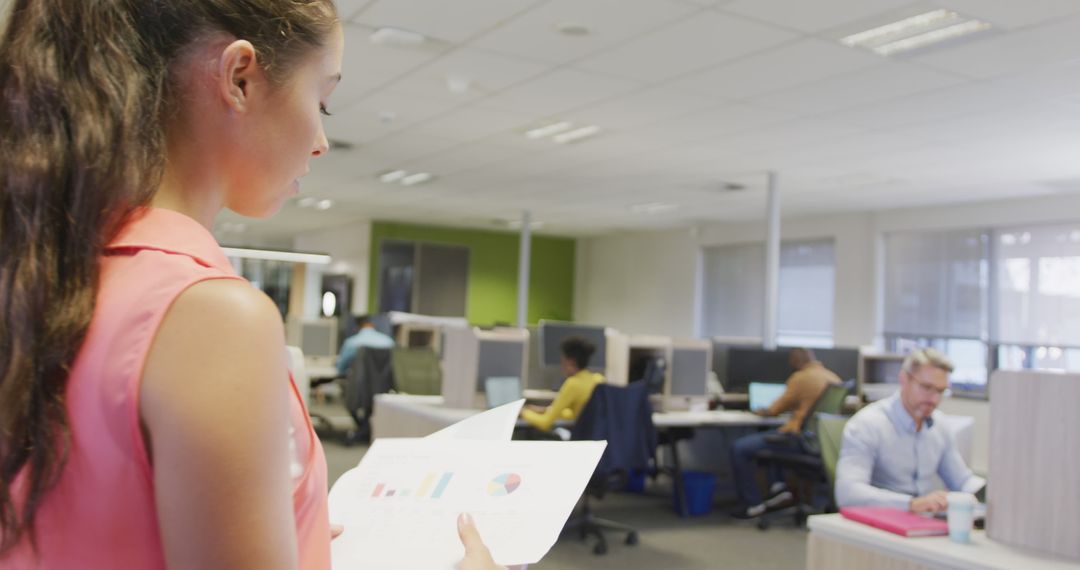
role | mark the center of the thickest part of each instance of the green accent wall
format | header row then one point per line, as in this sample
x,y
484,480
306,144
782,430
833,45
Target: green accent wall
x,y
493,270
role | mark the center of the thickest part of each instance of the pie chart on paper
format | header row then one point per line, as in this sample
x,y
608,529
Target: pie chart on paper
x,y
504,484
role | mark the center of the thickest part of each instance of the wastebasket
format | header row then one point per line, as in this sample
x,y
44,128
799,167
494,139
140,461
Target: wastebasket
x,y
699,487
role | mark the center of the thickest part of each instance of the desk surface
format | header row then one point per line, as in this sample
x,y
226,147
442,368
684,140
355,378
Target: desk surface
x,y
935,552
430,408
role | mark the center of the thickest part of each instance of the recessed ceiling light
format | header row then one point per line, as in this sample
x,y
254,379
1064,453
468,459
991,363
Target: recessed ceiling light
x,y
576,134
324,204
548,130
653,208
915,32
306,202
396,36
418,178
392,176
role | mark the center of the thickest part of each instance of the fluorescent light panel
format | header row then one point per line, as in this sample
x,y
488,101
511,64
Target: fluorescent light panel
x,y
548,130
915,32
576,134
653,208
392,176
273,255
414,179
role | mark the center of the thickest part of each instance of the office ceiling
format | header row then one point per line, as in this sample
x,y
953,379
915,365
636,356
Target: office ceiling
x,y
693,97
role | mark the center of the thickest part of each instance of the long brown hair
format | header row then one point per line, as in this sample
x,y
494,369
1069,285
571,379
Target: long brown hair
x,y
86,89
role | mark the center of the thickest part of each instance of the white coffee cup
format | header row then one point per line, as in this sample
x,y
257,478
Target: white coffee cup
x,y
961,516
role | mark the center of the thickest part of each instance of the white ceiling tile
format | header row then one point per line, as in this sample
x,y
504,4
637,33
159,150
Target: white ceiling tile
x,y
472,122
778,68
454,21
812,16
485,72
397,149
559,91
534,35
364,121
1012,52
879,83
367,66
700,41
1013,14
931,107
463,157
712,124
643,108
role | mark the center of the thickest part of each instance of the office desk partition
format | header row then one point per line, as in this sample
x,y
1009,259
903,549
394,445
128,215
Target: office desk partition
x,y
835,543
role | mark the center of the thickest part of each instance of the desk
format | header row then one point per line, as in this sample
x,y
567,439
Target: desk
x,y
835,543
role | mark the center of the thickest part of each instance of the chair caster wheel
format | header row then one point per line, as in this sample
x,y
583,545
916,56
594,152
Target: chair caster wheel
x,y
763,525
632,538
600,549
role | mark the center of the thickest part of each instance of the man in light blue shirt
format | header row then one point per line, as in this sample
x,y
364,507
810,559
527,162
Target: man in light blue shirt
x,y
894,447
366,336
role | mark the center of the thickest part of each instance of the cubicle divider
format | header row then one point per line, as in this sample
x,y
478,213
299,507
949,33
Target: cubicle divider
x,y
470,355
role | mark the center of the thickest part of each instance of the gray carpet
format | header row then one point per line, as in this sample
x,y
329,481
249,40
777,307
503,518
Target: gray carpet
x,y
667,542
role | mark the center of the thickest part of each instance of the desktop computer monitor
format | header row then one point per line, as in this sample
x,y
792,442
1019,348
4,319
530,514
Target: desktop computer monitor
x,y
501,390
746,365
498,358
319,338
551,335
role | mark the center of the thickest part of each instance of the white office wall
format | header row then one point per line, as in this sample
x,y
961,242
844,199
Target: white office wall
x,y
349,247
639,283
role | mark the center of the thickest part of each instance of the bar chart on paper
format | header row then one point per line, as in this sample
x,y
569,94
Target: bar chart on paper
x,y
432,486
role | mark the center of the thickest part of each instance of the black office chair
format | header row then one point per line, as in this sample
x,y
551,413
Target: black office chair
x,y
370,373
621,416
801,459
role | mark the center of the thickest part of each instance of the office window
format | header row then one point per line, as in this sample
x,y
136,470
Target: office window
x,y
807,292
1038,297
271,277
430,279
937,294
734,292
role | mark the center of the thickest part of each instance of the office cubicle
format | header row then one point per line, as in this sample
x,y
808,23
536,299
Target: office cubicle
x,y
472,355
544,372
740,365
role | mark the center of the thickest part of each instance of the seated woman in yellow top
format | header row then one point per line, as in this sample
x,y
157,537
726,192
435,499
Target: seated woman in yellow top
x,y
576,389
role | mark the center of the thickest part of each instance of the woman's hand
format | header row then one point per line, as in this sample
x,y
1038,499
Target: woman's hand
x,y
477,556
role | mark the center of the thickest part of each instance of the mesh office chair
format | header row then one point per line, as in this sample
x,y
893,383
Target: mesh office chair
x,y
417,371
802,457
622,416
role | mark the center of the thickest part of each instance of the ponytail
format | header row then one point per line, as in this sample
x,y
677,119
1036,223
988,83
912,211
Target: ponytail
x,y
87,87
80,150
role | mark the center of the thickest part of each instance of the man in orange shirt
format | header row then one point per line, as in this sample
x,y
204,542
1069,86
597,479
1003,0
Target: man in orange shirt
x,y
804,387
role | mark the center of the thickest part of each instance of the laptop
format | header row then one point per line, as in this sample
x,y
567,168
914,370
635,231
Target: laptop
x,y
763,394
500,390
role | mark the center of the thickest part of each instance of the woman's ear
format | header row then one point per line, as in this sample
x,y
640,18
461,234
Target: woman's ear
x,y
237,69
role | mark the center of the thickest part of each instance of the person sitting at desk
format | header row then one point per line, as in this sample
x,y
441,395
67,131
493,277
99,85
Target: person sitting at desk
x,y
804,387
576,389
893,448
365,336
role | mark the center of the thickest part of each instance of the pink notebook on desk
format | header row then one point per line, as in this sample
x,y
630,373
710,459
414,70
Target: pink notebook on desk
x,y
896,521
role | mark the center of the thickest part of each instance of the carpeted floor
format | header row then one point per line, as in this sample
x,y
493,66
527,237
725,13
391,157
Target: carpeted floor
x,y
667,542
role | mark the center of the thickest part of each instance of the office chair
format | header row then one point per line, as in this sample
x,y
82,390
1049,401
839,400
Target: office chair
x,y
416,371
803,457
369,374
623,417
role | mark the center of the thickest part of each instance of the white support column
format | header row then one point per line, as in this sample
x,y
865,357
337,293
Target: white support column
x,y
772,265
524,260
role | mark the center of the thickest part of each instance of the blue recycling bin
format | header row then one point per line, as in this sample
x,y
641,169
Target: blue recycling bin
x,y
635,481
699,487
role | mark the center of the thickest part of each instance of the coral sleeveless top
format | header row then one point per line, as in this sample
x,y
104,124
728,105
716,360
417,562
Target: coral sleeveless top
x,y
102,514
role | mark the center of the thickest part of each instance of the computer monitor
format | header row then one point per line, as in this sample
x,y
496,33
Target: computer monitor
x,y
689,371
551,335
763,394
746,365
501,390
319,338
499,358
